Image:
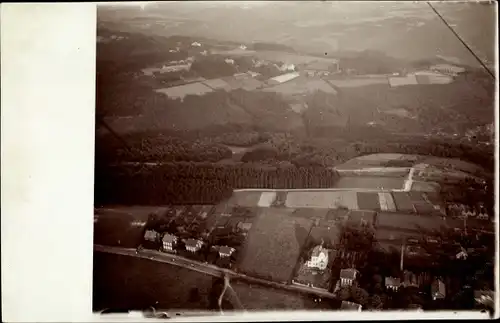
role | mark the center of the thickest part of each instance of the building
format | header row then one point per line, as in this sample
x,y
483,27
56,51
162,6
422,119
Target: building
x,y
438,289
151,235
392,283
193,245
348,276
225,251
196,44
168,242
350,306
319,258
448,69
284,78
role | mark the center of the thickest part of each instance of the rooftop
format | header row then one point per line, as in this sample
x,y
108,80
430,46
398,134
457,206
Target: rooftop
x,y
169,238
348,273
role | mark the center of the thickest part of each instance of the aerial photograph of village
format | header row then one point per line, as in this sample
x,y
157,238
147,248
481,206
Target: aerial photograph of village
x,y
333,156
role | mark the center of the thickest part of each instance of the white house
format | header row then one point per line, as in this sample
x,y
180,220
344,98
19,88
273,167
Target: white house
x,y
168,241
225,251
392,283
347,276
196,44
319,258
193,245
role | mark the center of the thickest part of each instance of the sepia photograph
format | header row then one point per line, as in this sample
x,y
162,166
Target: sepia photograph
x,y
295,155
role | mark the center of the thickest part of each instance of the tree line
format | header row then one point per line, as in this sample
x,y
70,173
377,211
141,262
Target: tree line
x,y
200,183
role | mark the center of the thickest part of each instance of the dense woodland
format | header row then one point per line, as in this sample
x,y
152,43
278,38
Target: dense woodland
x,y
202,183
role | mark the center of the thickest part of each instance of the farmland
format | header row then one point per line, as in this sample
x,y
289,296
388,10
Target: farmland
x,y
367,182
329,199
274,244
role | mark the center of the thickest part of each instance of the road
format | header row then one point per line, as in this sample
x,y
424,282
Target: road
x,y
206,268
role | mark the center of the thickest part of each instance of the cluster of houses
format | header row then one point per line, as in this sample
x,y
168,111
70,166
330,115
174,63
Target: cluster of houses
x,y
169,243
462,210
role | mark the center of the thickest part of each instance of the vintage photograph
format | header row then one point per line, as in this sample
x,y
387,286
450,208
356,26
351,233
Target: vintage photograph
x,y
312,155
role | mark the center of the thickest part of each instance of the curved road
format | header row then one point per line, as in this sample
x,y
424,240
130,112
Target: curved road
x,y
207,268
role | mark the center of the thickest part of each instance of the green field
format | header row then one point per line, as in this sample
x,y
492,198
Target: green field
x,y
274,244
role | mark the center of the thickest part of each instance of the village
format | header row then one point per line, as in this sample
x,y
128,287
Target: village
x,y
367,258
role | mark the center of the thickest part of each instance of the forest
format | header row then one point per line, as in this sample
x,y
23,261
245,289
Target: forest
x,y
198,183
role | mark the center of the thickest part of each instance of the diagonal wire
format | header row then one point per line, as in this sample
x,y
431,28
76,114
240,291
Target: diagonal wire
x,y
462,41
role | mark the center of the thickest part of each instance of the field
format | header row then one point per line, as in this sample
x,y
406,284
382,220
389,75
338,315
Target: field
x,y
368,182
255,297
245,198
403,202
358,82
329,234
409,222
368,201
386,202
217,84
357,217
266,199
333,199
179,92
301,85
274,244
122,282
309,213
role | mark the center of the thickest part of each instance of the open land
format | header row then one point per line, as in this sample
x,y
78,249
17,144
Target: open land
x,y
274,244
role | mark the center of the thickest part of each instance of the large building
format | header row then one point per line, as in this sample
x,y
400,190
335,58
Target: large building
x,y
319,258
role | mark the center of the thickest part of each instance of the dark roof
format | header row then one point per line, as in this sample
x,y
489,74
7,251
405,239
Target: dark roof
x,y
169,238
391,281
348,273
192,242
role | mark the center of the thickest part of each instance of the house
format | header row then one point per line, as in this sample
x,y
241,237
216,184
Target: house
x,y
350,306
225,251
151,235
193,245
169,241
243,47
392,283
438,289
319,258
196,44
347,276
229,61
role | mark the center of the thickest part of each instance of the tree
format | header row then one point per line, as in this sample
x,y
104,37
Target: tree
x,y
360,295
345,293
376,302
